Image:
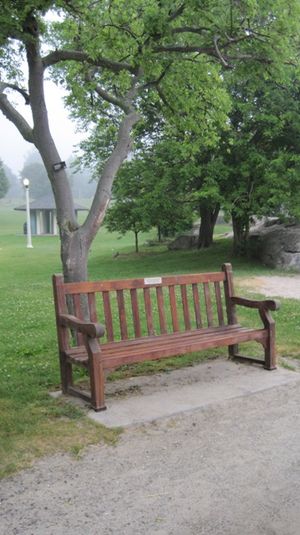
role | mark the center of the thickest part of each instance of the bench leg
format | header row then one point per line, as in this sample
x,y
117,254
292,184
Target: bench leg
x,y
233,351
97,379
269,361
269,345
270,351
66,374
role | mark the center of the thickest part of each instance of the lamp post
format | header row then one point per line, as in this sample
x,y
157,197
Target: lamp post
x,y
26,186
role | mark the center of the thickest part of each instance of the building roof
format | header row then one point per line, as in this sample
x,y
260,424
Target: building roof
x,y
45,203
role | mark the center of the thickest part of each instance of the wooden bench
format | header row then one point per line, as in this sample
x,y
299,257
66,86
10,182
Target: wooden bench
x,y
151,318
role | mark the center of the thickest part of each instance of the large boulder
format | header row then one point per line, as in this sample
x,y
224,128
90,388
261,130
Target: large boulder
x,y
185,241
188,240
277,246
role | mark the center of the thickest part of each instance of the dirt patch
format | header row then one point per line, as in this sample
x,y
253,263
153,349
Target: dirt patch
x,y
274,286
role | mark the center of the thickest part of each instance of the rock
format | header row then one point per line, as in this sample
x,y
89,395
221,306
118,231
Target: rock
x,y
277,246
188,240
185,241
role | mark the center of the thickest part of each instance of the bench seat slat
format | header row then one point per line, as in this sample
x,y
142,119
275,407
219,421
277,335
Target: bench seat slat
x,y
116,353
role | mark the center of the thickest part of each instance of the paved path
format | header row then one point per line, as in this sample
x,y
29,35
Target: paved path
x,y
184,391
230,467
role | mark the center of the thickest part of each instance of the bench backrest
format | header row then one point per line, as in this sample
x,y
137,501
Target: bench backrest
x,y
134,308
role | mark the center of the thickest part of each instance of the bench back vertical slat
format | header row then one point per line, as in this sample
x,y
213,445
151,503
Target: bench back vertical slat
x,y
122,314
229,292
197,306
134,308
208,305
161,310
135,313
173,307
79,313
77,306
219,303
185,305
108,316
92,307
148,310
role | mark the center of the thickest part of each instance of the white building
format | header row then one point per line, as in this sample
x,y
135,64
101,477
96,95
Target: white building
x,y
43,216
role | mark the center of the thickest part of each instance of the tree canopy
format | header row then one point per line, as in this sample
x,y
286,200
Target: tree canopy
x,y
4,182
120,59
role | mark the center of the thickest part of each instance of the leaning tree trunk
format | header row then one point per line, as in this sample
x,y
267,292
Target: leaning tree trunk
x,y
208,216
74,256
73,243
75,239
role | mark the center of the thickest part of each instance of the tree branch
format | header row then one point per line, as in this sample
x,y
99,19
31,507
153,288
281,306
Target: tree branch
x,y
242,57
221,58
105,95
184,48
18,89
113,164
111,167
177,12
111,98
191,29
122,28
15,117
163,98
76,55
159,79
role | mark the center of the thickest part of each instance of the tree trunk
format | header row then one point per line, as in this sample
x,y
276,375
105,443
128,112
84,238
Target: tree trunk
x,y
73,246
209,216
159,234
75,239
136,236
74,256
241,227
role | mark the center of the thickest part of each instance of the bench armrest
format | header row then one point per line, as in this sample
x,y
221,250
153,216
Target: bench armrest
x,y
267,304
93,330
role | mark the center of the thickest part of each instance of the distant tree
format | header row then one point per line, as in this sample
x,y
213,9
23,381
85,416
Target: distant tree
x,y
15,188
128,210
81,179
4,183
181,183
261,155
160,190
34,170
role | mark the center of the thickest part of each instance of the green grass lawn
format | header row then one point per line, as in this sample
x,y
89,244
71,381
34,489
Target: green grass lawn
x,y
31,422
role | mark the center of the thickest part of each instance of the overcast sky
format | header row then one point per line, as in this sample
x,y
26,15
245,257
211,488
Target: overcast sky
x,y
13,149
